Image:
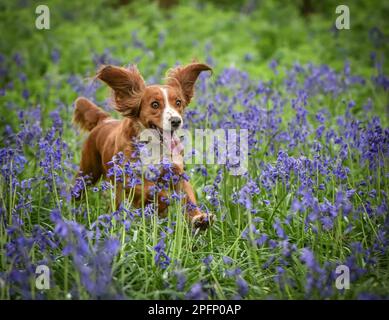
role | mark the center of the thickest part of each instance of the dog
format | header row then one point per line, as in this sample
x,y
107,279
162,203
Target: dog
x,y
158,107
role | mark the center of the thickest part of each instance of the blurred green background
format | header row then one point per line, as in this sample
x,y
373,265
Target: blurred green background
x,y
246,33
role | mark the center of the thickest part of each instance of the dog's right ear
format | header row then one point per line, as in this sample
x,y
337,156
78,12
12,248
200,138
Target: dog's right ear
x,y
127,85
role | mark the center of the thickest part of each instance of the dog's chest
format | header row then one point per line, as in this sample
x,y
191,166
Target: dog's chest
x,y
157,149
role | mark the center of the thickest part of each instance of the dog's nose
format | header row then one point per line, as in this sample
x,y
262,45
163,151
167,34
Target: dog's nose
x,y
175,122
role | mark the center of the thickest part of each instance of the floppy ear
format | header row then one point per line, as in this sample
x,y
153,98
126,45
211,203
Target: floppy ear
x,y
127,85
185,78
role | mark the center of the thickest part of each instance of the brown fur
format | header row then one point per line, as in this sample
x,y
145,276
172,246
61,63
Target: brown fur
x,y
87,115
184,78
127,87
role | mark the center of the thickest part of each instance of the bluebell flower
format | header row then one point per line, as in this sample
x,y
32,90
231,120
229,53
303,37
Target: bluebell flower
x,y
207,260
196,292
161,259
242,285
227,260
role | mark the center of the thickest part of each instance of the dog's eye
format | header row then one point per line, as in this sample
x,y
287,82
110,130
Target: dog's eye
x,y
178,102
155,105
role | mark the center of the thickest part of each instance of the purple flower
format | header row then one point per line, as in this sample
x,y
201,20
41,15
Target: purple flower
x,y
262,239
196,292
308,258
279,230
242,285
161,259
55,55
233,272
227,260
207,260
273,65
181,280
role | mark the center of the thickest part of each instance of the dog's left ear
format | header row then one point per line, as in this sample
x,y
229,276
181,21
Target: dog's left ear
x,y
127,85
185,77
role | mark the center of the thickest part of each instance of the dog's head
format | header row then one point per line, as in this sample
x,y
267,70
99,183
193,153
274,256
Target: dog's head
x,y
155,106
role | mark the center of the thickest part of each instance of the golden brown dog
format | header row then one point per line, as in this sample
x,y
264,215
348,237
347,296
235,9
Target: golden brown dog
x,y
159,107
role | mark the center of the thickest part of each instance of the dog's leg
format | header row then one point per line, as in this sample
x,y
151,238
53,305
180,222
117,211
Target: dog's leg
x,y
150,198
118,195
143,193
195,216
198,218
90,165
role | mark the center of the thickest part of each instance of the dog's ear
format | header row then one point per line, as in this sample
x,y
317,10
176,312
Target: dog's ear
x,y
185,77
127,85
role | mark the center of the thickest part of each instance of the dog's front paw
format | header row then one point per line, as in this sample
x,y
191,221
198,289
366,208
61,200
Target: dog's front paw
x,y
202,220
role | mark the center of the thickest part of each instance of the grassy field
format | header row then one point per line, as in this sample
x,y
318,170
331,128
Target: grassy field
x,y
315,102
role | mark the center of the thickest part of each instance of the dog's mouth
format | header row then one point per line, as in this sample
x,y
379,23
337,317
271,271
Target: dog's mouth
x,y
156,128
161,131
167,137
